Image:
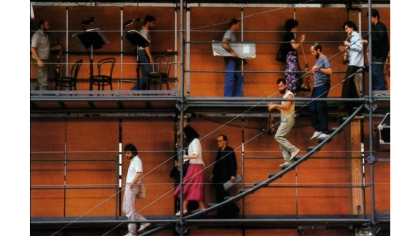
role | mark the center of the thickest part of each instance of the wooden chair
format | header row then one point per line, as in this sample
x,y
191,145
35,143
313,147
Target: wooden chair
x,y
104,76
69,81
159,72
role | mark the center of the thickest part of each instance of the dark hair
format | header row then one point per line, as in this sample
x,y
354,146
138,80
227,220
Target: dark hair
x,y
148,18
41,22
190,133
290,24
281,80
224,137
317,46
350,24
130,148
373,13
233,21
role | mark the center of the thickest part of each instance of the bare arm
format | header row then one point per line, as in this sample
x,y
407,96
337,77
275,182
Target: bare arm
x,y
226,46
296,44
283,106
136,178
193,156
327,71
149,54
35,54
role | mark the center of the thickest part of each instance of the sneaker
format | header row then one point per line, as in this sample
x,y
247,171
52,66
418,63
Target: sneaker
x,y
294,153
316,134
286,163
323,136
143,226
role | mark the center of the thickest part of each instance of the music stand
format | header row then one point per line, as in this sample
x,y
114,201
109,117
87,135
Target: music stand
x,y
135,39
90,39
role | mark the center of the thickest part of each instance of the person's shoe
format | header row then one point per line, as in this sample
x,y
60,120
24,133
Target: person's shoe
x,y
323,136
179,213
286,163
143,226
316,134
293,154
130,234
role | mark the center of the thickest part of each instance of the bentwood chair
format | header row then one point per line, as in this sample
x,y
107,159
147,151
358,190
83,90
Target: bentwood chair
x,y
160,71
69,81
104,76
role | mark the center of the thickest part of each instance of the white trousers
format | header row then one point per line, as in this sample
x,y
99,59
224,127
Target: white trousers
x,y
129,208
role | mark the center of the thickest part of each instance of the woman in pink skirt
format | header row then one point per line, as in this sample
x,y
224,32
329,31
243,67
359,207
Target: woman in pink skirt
x,y
193,181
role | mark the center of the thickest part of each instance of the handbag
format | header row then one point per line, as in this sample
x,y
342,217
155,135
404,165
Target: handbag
x,y
280,55
142,189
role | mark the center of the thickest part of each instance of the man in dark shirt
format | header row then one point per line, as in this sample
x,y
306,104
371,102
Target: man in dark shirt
x,y
224,170
380,49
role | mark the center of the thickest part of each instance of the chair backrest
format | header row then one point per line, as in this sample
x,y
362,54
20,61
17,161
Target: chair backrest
x,y
162,64
75,69
106,66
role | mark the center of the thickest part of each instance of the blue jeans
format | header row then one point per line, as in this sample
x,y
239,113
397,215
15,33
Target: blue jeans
x,y
233,78
145,69
378,80
318,110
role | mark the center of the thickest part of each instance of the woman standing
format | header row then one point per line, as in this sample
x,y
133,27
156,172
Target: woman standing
x,y
193,181
289,49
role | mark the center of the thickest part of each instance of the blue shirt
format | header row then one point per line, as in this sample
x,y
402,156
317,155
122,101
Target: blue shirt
x,y
321,78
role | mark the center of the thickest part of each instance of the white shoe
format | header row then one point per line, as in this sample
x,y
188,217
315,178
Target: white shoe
x,y
143,226
286,163
130,234
323,136
293,154
316,134
179,213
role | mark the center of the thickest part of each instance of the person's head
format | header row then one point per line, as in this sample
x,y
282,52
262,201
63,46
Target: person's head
x,y
291,25
234,24
190,133
349,26
149,22
316,50
44,25
130,150
374,14
222,141
281,84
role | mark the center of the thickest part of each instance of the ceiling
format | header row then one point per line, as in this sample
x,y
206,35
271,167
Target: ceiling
x,y
233,1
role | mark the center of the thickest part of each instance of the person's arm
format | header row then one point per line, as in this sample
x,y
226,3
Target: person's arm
x,y
327,71
136,178
283,106
35,54
195,150
149,54
192,156
355,43
56,48
226,46
296,44
233,164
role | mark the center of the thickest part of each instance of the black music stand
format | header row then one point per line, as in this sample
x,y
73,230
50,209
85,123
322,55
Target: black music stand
x,y
90,39
135,39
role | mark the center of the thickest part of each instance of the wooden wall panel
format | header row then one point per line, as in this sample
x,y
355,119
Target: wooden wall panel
x,y
47,141
92,139
47,202
90,202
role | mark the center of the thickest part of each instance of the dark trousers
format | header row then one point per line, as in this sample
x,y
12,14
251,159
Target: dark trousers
x,y
349,88
228,210
318,110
